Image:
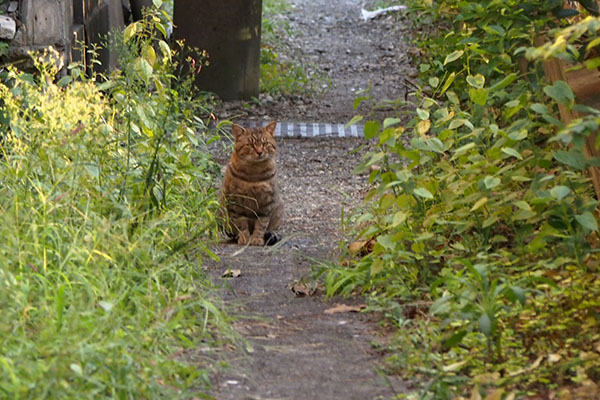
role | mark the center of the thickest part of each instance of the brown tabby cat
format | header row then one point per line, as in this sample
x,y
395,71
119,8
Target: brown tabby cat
x,y
250,193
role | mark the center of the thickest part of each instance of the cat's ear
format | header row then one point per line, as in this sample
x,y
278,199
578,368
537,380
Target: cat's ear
x,y
237,131
271,128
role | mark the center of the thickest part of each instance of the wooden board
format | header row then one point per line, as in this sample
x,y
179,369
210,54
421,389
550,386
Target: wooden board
x,y
585,84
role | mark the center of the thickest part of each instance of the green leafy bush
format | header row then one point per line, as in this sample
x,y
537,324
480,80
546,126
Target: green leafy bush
x,y
481,211
106,208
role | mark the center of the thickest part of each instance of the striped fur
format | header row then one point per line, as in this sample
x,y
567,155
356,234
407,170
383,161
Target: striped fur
x,y
250,193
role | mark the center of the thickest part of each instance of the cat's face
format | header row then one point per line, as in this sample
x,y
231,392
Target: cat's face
x,y
256,144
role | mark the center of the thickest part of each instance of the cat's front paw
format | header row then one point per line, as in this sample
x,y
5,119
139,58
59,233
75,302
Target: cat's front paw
x,y
256,241
243,238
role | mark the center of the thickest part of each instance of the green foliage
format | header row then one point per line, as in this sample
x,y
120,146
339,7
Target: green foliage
x,y
106,205
3,49
481,206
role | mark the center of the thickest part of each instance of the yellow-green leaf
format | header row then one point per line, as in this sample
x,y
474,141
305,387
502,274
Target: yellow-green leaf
x,y
150,55
165,49
422,192
477,81
448,83
512,152
479,203
455,55
131,30
143,68
423,127
455,366
399,218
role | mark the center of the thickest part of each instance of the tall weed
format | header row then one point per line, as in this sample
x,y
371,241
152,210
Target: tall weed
x,y
107,207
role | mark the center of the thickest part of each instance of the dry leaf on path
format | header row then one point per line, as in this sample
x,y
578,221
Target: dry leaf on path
x,y
232,273
342,308
301,289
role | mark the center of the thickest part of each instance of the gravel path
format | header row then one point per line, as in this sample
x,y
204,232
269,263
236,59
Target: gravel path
x,y
298,351
331,39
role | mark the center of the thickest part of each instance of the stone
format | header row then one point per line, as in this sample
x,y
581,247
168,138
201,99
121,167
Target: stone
x,y
8,27
13,6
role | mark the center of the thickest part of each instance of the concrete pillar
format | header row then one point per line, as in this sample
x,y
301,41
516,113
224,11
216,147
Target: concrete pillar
x,y
230,32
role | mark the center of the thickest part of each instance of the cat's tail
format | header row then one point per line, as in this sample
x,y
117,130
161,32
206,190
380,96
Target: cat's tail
x,y
271,238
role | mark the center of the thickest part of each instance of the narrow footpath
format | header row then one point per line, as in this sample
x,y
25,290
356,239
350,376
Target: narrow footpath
x,y
297,349
298,346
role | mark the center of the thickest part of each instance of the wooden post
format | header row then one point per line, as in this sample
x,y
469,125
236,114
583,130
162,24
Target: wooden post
x,y
585,85
230,32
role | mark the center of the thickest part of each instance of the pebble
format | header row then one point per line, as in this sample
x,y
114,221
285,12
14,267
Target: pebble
x,y
8,27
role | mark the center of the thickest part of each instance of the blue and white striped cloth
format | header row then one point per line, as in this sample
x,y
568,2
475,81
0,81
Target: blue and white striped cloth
x,y
302,129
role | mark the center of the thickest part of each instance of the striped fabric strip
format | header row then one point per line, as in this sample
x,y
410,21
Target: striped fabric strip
x,y
302,129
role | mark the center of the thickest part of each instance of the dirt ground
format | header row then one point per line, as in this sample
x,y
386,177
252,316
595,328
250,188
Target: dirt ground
x,y
297,350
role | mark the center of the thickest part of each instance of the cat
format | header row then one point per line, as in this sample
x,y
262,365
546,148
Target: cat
x,y
250,193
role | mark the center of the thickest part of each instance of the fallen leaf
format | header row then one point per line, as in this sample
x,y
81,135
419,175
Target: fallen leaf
x,y
301,289
455,366
552,358
232,273
533,366
342,308
361,248
536,363
356,247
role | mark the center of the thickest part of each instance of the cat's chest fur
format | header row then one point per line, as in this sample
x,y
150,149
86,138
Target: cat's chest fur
x,y
251,188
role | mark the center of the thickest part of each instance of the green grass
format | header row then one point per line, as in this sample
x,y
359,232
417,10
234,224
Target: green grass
x,y
107,209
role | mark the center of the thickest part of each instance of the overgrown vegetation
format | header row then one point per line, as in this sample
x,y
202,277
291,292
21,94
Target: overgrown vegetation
x,y
480,233
106,208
